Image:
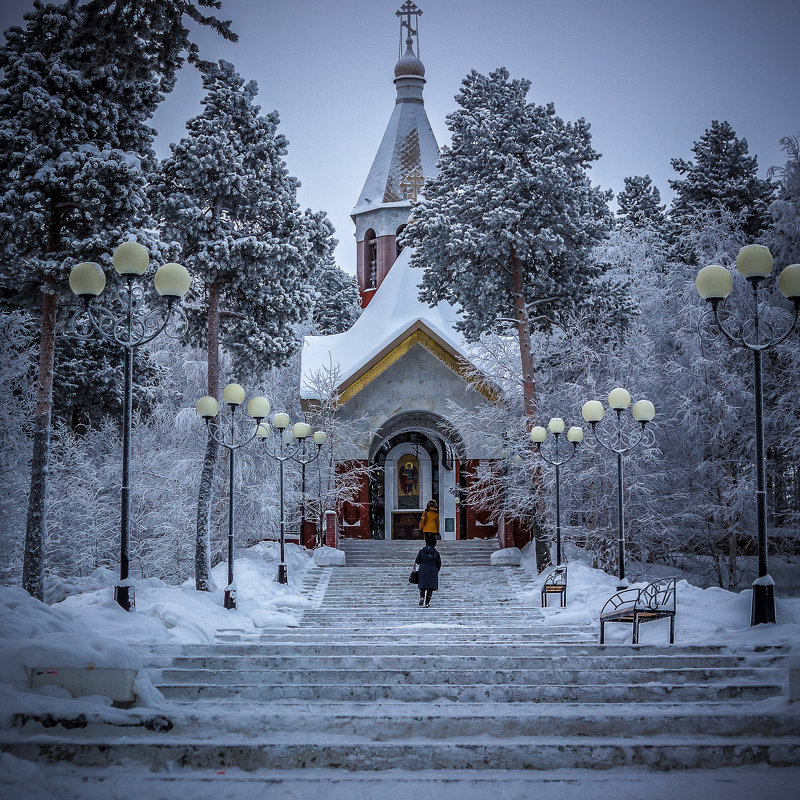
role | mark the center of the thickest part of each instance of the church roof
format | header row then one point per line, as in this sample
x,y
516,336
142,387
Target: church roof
x,y
407,154
391,324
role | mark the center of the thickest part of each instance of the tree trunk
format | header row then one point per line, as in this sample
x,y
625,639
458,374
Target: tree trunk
x,y
202,557
36,527
529,402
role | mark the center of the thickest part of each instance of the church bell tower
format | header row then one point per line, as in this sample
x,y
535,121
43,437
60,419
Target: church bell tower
x,y
406,157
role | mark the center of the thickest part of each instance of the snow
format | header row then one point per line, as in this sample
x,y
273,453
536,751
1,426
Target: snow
x,y
329,557
707,616
392,312
99,630
508,557
740,783
764,581
88,629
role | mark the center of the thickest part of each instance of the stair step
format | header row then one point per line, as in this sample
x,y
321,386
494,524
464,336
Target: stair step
x,y
159,752
498,693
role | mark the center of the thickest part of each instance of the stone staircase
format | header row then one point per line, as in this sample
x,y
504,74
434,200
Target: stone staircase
x,y
373,553
480,682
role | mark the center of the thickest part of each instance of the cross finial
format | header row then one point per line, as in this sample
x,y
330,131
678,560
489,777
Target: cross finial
x,y
412,184
409,10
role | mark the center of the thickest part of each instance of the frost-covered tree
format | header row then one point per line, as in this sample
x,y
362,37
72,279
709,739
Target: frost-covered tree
x,y
507,226
639,204
337,304
339,472
783,363
73,153
784,233
68,192
226,198
723,177
17,359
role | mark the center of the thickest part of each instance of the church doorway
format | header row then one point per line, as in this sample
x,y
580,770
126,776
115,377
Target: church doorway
x,y
414,461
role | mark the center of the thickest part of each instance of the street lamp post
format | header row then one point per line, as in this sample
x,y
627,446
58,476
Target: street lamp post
x,y
288,438
226,434
714,283
624,442
130,328
575,437
319,439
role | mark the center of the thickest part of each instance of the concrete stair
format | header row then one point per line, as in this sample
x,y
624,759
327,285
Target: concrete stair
x,y
375,552
479,682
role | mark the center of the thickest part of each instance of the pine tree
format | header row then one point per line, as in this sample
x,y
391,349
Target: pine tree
x,y
226,197
73,162
338,303
68,193
722,177
640,205
506,227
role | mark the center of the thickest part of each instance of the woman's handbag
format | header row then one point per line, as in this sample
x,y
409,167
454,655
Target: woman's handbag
x,y
414,576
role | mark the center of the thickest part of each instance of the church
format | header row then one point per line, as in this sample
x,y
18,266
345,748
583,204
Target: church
x,y
402,363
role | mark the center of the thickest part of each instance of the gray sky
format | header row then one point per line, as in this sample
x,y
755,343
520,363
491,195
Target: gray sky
x,y
649,77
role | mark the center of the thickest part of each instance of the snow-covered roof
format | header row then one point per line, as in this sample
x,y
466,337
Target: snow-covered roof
x,y
394,312
407,145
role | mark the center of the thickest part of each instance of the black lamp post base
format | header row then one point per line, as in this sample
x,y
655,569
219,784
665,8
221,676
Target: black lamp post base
x,y
124,597
763,606
230,600
283,574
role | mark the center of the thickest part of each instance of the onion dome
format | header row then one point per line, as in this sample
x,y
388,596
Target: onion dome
x,y
409,64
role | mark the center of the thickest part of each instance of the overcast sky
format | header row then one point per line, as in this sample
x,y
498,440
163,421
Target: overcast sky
x,y
649,77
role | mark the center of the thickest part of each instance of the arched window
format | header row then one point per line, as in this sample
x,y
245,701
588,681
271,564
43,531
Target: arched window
x,y
371,257
397,240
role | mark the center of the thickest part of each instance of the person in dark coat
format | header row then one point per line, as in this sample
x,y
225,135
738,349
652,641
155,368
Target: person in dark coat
x,y
430,562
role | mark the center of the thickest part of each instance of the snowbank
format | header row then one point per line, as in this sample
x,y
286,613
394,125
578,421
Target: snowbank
x,y
87,629
329,557
507,557
713,616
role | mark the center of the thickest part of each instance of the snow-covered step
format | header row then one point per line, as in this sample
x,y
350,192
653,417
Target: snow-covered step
x,y
305,644
379,720
476,693
162,752
465,675
404,660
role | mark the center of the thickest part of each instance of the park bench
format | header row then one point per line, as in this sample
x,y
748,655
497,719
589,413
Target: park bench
x,y
556,583
655,601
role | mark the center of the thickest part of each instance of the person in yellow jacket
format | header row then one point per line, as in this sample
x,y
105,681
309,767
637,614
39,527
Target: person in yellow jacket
x,y
429,521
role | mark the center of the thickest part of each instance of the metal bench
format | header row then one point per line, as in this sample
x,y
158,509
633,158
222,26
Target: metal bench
x,y
655,601
556,583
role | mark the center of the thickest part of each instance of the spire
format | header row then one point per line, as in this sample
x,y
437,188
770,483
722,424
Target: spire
x,y
406,158
408,152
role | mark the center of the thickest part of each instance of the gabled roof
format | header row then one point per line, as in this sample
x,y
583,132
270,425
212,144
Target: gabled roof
x,y
393,322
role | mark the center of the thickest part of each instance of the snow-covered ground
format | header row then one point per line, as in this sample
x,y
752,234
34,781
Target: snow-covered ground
x,y
88,629
707,616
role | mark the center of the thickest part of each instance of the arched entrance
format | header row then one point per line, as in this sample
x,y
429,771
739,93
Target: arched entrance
x,y
415,458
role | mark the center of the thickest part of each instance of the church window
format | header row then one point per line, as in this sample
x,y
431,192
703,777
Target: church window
x,y
397,238
371,249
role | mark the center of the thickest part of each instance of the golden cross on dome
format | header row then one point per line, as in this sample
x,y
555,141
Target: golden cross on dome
x,y
412,184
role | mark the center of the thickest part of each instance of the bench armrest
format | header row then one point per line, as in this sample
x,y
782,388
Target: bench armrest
x,y
625,597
